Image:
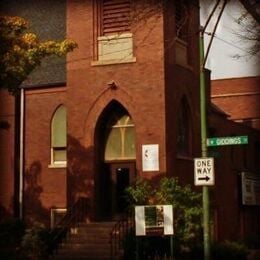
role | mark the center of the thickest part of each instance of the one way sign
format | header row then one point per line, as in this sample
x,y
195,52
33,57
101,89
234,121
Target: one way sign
x,y
204,171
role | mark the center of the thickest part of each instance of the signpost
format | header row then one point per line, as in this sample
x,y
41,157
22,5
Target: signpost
x,y
203,124
154,220
228,140
204,171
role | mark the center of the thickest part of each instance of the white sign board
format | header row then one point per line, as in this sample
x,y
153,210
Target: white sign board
x,y
250,189
204,171
156,219
139,221
150,157
168,219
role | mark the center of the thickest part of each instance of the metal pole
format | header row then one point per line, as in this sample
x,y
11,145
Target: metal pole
x,y
137,248
203,121
171,245
21,154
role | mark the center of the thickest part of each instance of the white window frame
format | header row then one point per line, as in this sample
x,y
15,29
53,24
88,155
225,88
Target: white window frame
x,y
56,164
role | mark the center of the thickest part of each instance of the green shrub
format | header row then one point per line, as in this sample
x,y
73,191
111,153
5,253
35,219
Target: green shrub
x,y
186,204
19,242
34,244
187,210
253,241
150,247
140,193
230,250
11,233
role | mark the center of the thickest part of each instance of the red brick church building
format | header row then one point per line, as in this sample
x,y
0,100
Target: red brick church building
x,y
80,126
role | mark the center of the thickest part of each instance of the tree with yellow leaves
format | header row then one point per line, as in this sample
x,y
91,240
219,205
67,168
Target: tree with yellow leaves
x,y
21,51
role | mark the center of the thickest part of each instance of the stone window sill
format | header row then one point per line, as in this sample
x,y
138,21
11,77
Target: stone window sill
x,y
59,166
116,61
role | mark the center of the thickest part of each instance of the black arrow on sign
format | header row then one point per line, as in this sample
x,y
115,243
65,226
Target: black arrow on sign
x,y
204,178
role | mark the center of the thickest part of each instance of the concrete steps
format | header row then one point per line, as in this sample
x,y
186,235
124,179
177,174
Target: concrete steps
x,y
87,241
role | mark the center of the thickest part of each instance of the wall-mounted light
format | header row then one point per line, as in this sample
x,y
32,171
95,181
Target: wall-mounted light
x,y
112,85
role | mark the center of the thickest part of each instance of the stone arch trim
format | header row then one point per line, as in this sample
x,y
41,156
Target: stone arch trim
x,y
100,104
56,108
185,93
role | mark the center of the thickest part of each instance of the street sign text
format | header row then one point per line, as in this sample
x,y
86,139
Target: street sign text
x,y
229,140
204,171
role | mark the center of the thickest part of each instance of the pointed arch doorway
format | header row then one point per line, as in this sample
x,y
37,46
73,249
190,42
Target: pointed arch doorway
x,y
116,170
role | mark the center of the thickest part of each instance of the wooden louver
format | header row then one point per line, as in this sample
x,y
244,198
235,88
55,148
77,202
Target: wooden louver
x,y
181,19
115,16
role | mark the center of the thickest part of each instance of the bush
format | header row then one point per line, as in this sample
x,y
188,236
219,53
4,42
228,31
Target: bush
x,y
34,244
187,210
140,193
11,233
19,242
253,241
149,247
186,204
230,250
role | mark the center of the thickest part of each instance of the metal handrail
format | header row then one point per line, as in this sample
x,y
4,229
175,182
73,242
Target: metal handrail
x,y
120,230
71,219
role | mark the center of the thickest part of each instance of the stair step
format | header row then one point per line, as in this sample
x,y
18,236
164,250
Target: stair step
x,y
84,252
73,257
86,235
85,246
99,224
87,241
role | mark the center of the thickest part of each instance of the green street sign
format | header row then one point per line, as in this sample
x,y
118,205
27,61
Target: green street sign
x,y
229,140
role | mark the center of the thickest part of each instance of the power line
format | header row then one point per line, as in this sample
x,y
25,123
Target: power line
x,y
227,42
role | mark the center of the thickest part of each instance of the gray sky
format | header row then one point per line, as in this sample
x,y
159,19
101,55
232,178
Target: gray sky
x,y
227,45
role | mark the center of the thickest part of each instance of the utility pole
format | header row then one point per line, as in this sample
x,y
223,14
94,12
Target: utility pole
x,y
204,153
203,124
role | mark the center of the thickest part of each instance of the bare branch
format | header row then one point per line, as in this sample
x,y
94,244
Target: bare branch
x,y
253,7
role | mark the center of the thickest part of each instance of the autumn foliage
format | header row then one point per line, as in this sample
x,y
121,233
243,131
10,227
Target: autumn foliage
x,y
22,51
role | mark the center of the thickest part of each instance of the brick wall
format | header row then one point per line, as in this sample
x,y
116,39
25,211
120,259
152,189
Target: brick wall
x,y
231,218
7,160
45,187
239,98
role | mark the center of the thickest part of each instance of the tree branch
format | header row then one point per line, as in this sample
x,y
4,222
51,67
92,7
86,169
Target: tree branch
x,y
253,8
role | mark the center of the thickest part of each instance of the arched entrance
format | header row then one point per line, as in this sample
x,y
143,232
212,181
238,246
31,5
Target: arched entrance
x,y
115,144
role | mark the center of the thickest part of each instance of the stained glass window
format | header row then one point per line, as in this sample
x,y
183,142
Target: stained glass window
x,y
120,143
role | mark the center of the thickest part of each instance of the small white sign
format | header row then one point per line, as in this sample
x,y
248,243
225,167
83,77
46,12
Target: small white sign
x,y
250,189
139,221
204,171
154,219
168,219
150,157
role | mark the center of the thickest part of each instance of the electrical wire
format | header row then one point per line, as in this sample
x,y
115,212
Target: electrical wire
x,y
227,42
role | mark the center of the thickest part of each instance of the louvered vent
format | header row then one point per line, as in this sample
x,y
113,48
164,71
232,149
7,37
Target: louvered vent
x,y
115,16
181,18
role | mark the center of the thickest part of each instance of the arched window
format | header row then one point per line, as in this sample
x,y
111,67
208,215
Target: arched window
x,y
120,138
184,136
59,136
